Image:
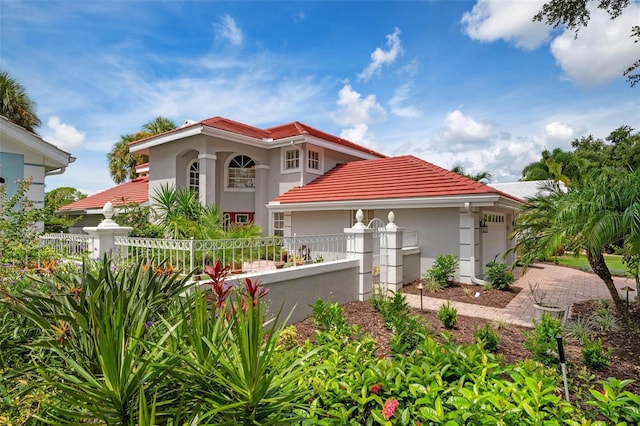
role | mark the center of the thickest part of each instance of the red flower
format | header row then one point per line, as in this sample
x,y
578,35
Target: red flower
x,y
375,389
254,291
389,408
218,284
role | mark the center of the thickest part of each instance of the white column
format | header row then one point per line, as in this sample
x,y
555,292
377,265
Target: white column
x,y
261,217
207,167
468,246
104,234
361,247
394,259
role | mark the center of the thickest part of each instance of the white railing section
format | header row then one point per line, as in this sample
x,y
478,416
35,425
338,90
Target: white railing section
x,y
72,246
247,254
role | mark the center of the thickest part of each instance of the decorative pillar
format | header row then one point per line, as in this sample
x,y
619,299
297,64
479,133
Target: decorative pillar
x,y
207,168
104,234
394,259
469,247
361,247
261,187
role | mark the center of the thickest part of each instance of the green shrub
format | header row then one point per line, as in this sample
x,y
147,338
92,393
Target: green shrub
x,y
288,338
542,341
448,315
442,270
487,337
499,277
328,316
594,356
605,318
617,405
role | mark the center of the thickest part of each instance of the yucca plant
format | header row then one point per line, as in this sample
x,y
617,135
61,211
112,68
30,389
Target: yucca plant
x,y
223,363
99,325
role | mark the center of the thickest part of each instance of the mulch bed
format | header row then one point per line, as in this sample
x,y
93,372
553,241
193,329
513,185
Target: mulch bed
x,y
466,293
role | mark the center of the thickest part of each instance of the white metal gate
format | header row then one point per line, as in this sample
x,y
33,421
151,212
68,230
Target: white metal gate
x,y
380,253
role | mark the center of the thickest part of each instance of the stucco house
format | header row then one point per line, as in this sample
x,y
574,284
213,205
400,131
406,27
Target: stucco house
x,y
295,179
25,155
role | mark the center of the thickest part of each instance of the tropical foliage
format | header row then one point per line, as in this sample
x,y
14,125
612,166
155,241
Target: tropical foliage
x,y
181,214
135,347
604,210
122,162
15,103
18,224
484,177
55,199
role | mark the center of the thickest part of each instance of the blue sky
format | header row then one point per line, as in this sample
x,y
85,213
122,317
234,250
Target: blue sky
x,y
469,82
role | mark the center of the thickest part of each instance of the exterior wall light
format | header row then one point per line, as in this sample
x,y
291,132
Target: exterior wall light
x,y
484,228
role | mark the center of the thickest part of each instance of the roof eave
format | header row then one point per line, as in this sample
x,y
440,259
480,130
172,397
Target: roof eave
x,y
482,200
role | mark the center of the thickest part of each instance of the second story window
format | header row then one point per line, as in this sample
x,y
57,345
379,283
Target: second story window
x,y
241,172
314,160
292,159
193,176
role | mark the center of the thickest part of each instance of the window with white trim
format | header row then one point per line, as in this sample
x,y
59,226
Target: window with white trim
x,y
193,176
241,172
278,224
313,160
241,218
292,159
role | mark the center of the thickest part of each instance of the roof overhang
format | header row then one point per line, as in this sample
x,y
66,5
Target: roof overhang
x,y
463,201
54,157
201,129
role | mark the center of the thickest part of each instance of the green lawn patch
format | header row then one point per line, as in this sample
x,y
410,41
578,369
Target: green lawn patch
x,y
614,262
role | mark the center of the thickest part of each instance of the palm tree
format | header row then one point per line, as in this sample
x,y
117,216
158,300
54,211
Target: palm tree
x,y
604,209
483,177
122,163
15,104
158,125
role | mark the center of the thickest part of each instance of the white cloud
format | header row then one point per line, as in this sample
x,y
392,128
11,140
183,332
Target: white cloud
x,y
602,50
227,29
354,110
462,129
557,132
381,57
400,95
64,136
359,134
511,21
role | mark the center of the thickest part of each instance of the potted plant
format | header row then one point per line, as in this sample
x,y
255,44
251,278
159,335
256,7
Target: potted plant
x,y
541,306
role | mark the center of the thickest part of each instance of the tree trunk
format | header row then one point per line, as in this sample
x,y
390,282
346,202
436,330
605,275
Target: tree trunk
x,y
601,270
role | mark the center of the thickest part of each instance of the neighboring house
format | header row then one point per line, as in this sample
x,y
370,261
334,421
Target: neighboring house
x,y
25,155
294,179
90,208
526,189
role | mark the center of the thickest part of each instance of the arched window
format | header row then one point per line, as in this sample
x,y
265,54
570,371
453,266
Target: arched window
x,y
193,176
241,173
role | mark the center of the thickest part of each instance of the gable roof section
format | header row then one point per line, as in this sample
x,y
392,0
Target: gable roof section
x,y
270,135
135,191
386,178
296,128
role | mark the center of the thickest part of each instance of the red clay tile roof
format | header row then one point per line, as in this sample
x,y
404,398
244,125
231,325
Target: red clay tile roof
x,y
275,133
394,177
135,191
297,128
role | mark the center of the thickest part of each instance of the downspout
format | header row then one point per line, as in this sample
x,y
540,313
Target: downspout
x,y
474,279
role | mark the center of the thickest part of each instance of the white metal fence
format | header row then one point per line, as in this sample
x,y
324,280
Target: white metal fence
x,y
250,254
70,246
